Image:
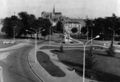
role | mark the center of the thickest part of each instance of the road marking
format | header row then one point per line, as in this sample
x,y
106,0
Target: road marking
x,y
1,74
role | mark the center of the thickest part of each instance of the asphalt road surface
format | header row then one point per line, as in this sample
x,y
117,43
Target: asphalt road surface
x,y
15,65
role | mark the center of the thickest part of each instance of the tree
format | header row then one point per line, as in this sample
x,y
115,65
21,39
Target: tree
x,y
25,24
28,21
45,25
59,27
83,30
108,27
12,26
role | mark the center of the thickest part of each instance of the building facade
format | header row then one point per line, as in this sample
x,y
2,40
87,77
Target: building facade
x,y
74,26
53,16
71,26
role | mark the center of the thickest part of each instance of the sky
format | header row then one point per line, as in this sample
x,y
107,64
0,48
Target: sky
x,y
70,8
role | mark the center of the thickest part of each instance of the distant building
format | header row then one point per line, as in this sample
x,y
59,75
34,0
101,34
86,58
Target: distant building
x,y
73,26
46,14
53,16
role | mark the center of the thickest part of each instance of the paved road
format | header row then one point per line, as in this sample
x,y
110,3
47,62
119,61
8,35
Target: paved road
x,y
18,68
71,76
15,64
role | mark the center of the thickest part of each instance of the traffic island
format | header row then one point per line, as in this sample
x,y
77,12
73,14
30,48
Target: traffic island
x,y
49,66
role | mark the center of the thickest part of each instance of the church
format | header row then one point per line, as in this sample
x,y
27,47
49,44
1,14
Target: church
x,y
72,26
53,16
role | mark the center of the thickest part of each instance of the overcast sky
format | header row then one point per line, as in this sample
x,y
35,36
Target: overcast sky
x,y
72,8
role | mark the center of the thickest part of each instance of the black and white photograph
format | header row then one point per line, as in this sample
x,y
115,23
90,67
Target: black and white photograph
x,y
59,40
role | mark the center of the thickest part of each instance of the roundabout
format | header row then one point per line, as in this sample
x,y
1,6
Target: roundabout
x,y
24,62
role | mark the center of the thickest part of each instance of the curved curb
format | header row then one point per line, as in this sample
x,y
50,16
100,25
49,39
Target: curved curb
x,y
33,69
41,72
42,75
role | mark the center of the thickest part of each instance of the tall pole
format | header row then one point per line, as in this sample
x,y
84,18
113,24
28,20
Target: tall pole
x,y
84,54
84,63
50,36
113,35
50,32
91,34
35,46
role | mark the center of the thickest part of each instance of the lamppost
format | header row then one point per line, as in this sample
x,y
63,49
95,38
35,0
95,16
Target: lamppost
x,y
50,34
35,45
87,33
84,46
113,31
50,30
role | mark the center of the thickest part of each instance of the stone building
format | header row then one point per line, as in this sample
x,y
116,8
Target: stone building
x,y
53,16
71,25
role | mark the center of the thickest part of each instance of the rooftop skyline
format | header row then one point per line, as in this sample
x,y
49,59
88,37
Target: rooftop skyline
x,y
70,8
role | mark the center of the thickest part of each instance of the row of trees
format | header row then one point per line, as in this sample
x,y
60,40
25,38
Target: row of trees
x,y
24,24
107,27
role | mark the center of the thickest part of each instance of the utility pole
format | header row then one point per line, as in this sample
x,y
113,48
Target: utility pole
x,y
50,35
35,46
84,54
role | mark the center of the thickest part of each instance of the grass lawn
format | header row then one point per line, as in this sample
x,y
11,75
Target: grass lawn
x,y
106,68
46,63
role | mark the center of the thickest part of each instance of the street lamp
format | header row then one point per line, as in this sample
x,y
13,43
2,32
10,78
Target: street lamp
x,y
50,30
84,46
35,45
113,33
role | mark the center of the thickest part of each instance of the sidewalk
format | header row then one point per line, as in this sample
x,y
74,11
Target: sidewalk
x,y
71,76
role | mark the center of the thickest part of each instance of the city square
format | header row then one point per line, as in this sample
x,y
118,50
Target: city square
x,y
64,41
